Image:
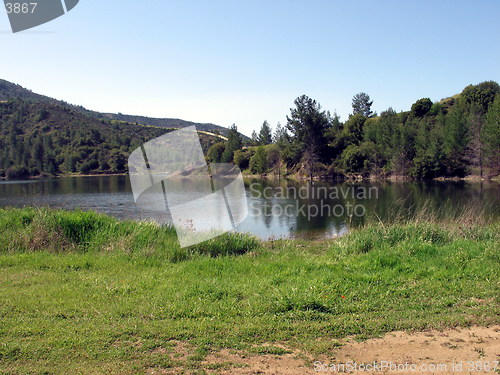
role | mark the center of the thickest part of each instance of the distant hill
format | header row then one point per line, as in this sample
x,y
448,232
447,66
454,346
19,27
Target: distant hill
x,y
41,136
9,91
161,122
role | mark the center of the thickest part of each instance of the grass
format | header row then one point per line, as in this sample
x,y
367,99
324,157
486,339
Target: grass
x,y
85,293
34,229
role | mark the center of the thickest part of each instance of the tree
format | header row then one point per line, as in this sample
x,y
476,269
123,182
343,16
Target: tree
x,y
380,131
404,147
273,157
242,158
117,162
352,132
234,143
307,123
491,137
70,163
265,135
255,139
428,161
258,162
280,136
482,94
421,107
455,141
361,104
215,152
355,158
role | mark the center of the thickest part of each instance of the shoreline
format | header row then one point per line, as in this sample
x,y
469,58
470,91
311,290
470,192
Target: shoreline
x,y
293,177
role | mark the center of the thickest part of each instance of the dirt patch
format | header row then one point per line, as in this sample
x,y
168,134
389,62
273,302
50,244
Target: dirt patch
x,y
452,351
238,363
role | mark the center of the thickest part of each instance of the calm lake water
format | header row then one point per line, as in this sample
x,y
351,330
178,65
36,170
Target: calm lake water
x,y
276,209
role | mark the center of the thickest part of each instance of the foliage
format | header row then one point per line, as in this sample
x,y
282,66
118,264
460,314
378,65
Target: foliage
x,y
258,162
265,134
242,158
307,124
491,136
355,158
421,107
215,152
48,139
361,104
280,136
454,137
273,157
234,142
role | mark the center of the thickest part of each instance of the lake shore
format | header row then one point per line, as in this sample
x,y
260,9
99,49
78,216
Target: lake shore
x,y
295,177
83,292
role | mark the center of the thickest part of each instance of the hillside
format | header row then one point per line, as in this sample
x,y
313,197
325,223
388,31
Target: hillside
x,y
44,137
10,91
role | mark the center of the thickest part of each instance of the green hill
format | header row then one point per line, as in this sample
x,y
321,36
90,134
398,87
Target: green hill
x,y
46,137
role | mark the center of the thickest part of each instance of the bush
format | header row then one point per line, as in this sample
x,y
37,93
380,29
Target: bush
x,y
355,159
242,158
17,172
215,152
89,166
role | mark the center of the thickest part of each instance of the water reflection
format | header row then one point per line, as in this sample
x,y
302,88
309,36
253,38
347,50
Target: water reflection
x,y
272,213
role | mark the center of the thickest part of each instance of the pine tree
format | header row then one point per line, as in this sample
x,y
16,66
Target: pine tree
x,y
361,104
265,134
491,137
307,124
234,143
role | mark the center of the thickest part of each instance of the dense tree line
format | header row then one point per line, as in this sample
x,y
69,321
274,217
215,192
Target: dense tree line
x,y
454,137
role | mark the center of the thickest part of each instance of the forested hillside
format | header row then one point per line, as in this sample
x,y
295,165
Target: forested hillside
x,y
39,139
454,137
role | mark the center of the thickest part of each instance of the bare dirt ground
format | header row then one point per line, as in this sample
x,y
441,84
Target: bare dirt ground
x,y
474,350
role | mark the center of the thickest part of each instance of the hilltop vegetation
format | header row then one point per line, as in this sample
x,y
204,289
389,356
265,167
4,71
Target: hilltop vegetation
x,y
455,137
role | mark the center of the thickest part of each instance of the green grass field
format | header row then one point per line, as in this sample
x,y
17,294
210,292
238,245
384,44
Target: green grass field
x,y
85,293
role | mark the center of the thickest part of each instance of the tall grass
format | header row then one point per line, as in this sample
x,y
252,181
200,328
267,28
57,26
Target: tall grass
x,y
401,212
37,229
425,224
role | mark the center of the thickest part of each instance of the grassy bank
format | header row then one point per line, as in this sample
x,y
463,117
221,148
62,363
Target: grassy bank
x,y
84,293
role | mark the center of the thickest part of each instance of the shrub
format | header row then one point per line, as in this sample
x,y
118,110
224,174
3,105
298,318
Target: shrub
x,y
242,158
17,172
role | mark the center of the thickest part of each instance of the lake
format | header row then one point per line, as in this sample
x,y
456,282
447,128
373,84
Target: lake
x,y
287,209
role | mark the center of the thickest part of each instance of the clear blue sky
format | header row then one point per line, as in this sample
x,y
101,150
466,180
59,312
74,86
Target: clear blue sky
x,y
245,62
